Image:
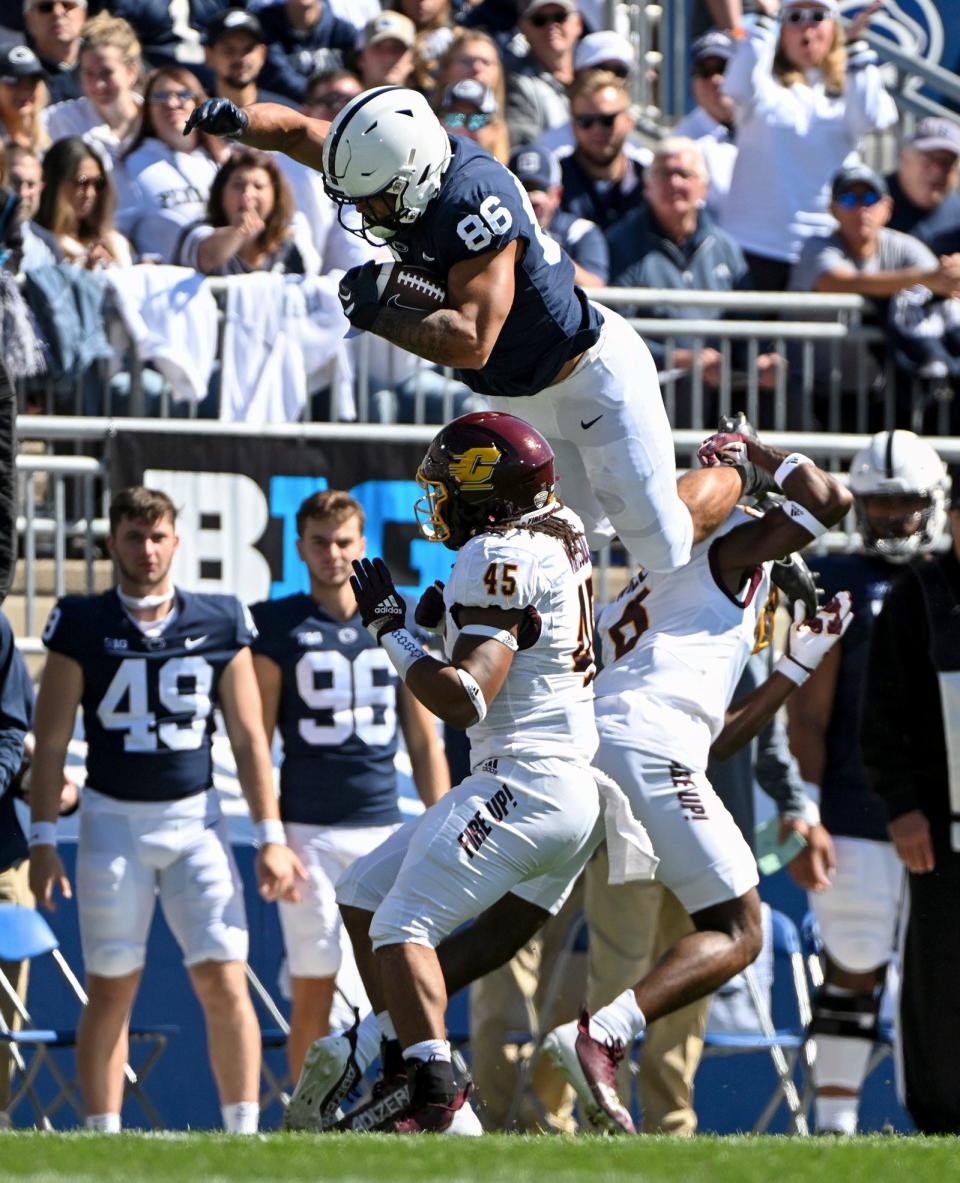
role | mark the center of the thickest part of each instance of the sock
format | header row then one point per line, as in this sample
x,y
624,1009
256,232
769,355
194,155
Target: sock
x,y
391,1059
368,1041
241,1117
385,1025
621,1020
102,1123
429,1049
836,1115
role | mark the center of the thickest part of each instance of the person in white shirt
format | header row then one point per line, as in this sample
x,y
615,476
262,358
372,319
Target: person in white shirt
x,y
109,113
803,103
164,178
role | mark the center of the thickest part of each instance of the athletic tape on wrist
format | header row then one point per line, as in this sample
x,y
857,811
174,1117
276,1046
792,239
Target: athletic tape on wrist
x,y
791,669
801,516
403,650
474,693
791,464
270,830
489,630
42,834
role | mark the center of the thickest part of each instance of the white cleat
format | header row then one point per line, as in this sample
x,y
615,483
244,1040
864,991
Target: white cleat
x,y
330,1072
465,1122
590,1066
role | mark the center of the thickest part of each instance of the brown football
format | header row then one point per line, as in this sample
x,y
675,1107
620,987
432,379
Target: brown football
x,y
413,289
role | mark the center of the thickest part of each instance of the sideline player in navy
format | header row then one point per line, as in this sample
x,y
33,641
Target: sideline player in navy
x,y
149,662
337,700
514,326
899,485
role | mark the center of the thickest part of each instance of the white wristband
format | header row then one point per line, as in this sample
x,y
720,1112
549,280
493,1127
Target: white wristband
x,y
489,630
403,650
474,693
791,464
791,669
801,516
270,831
812,790
42,834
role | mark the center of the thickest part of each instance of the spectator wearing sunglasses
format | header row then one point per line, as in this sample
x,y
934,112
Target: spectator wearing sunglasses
x,y
537,83
164,178
53,33
539,173
468,108
802,105
904,281
710,123
601,180
303,38
77,205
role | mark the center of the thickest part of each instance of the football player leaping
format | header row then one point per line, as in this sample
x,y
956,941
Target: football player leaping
x,y
514,326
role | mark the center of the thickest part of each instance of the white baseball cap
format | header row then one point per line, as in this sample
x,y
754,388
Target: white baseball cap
x,y
596,49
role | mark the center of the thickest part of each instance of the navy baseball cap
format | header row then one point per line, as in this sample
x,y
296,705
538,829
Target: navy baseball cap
x,y
19,61
858,174
535,168
232,21
713,44
469,90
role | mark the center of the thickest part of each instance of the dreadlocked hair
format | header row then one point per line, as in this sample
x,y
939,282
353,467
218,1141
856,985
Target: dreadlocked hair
x,y
574,543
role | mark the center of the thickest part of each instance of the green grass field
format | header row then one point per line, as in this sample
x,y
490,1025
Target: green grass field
x,y
215,1158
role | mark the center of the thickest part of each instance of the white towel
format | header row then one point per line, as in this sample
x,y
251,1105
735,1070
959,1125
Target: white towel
x,y
629,849
172,320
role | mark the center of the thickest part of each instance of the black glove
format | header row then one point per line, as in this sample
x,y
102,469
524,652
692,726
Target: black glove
x,y
219,117
430,608
359,295
382,608
798,583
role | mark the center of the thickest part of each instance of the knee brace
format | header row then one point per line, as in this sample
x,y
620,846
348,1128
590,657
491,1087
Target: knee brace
x,y
846,1014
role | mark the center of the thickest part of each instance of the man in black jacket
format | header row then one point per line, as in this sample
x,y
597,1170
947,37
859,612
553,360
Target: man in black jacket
x,y
910,733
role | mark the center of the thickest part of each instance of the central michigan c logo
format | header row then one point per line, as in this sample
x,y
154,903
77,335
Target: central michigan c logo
x,y
474,468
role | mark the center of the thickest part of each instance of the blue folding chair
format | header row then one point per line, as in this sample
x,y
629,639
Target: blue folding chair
x,y
784,1044
25,936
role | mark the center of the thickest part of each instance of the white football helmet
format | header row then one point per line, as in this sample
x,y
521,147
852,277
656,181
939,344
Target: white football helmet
x,y
897,464
386,140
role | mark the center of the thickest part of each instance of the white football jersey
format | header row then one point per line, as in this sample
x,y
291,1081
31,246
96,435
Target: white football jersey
x,y
545,706
674,646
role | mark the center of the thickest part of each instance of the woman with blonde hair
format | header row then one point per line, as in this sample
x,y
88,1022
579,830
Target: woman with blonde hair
x,y
164,177
803,101
251,223
77,205
109,113
23,96
473,54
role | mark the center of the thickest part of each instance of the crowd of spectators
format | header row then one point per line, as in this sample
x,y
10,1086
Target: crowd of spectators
x,y
740,194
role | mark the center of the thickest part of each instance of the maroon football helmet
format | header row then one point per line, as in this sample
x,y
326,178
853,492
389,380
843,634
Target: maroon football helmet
x,y
482,470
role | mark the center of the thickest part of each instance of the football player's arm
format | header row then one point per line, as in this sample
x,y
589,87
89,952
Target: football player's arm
x,y
479,297
278,868
483,659
808,717
272,127
816,500
61,689
269,682
431,773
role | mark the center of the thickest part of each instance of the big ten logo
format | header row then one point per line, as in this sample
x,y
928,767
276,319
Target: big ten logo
x,y
222,516
390,529
239,538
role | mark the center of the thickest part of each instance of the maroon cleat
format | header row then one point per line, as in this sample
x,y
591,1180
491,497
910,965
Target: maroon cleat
x,y
591,1067
435,1118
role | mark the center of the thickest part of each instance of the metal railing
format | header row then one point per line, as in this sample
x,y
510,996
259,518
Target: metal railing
x,y
65,520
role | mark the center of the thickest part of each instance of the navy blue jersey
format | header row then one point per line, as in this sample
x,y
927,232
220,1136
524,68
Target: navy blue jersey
x,y
337,715
849,806
148,701
482,207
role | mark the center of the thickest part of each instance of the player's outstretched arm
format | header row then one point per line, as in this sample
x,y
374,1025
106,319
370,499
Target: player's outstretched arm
x,y
278,868
459,691
61,689
808,643
270,127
